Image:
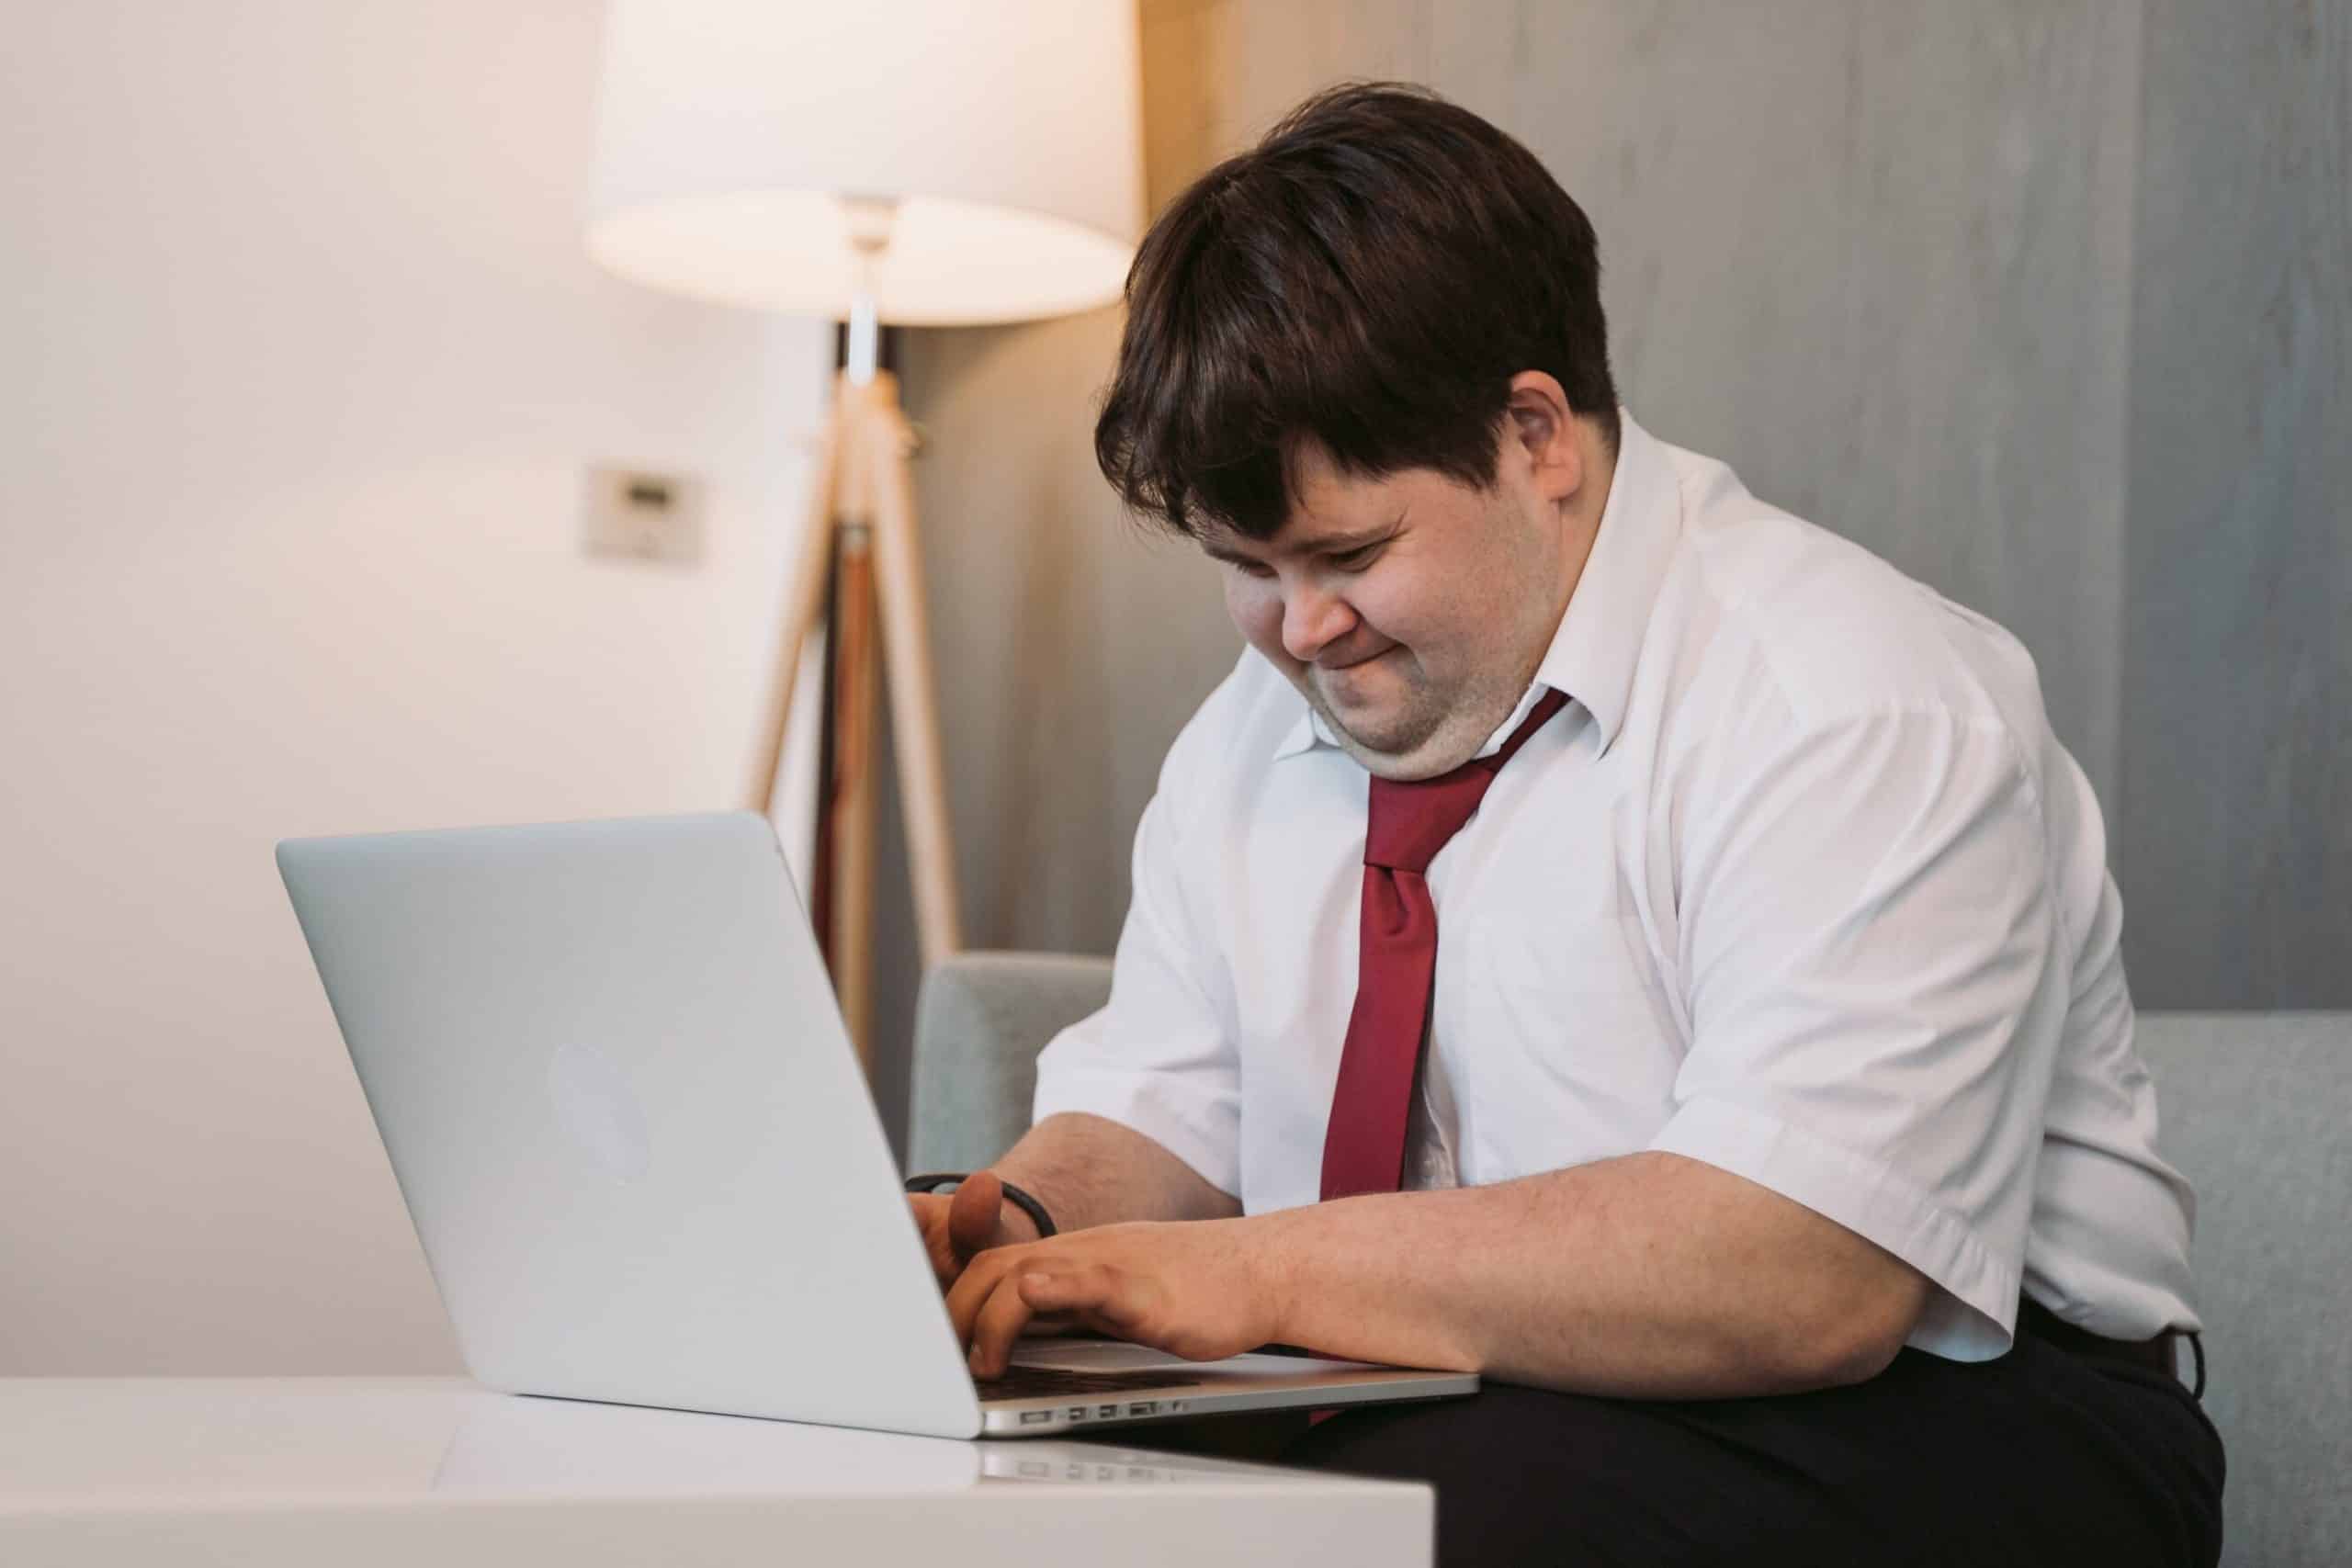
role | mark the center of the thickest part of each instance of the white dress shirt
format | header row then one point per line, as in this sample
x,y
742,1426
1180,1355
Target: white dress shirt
x,y
1800,884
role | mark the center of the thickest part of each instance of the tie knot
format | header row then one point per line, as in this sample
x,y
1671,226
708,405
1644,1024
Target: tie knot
x,y
1410,820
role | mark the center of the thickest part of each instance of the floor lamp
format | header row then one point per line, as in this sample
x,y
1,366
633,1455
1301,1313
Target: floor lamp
x,y
923,163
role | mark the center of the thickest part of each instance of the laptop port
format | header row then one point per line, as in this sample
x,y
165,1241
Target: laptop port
x,y
1106,1411
1036,1417
1144,1408
1078,1412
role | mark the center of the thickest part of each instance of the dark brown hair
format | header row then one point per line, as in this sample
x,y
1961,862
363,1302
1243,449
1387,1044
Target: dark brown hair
x,y
1369,278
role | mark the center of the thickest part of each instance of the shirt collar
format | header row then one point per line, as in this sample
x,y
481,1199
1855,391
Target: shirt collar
x,y
1305,733
1599,639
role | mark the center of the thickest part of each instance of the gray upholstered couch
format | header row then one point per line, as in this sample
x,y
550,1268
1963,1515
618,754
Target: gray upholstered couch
x,y
2258,1111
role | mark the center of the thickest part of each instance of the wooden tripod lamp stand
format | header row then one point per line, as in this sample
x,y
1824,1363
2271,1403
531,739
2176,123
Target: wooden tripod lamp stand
x,y
860,535
922,163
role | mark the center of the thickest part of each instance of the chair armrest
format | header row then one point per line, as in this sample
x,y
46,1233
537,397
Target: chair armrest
x,y
979,1023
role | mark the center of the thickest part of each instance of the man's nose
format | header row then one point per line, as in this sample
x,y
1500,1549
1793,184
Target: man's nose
x,y
1312,619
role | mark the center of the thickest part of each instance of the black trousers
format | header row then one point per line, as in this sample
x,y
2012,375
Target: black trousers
x,y
2043,1457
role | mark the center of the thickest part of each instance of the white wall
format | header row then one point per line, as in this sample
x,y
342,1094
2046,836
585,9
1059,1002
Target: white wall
x,y
299,362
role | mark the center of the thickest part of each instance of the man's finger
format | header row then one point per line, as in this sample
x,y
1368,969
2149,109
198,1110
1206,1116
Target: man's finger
x,y
1108,1301
971,1291
973,1215
1065,1290
1001,1318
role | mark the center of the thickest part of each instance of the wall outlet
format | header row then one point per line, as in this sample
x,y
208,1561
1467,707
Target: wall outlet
x,y
640,514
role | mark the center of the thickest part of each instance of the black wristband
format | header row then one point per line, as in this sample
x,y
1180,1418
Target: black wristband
x,y
1012,1195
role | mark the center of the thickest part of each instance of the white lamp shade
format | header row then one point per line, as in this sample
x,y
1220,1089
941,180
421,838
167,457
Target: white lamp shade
x,y
1008,131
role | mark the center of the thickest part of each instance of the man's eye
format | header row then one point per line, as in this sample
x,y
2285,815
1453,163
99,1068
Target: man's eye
x,y
1356,560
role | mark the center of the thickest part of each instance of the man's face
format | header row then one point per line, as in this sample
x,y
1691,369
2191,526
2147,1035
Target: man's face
x,y
1409,611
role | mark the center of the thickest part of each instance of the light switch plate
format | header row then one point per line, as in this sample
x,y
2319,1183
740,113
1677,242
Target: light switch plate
x,y
643,514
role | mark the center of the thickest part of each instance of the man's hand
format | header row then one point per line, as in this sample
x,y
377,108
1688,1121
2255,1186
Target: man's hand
x,y
958,1227
1200,1289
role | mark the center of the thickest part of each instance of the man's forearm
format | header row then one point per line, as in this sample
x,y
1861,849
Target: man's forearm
x,y
1090,1171
1647,1275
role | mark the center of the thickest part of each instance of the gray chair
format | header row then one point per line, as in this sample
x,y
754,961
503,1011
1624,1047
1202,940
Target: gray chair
x,y
2255,1109
979,1023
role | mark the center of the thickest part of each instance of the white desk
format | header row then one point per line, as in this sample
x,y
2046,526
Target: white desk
x,y
357,1471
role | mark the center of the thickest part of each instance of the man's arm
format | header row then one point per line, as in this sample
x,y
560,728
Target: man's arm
x,y
1089,1171
1086,1170
1648,1275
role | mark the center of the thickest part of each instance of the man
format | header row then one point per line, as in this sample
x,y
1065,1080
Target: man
x,y
1605,933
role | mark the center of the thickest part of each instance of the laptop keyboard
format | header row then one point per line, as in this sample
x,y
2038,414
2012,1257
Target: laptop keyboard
x,y
1053,1382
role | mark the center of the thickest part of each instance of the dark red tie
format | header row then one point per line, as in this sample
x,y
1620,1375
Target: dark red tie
x,y
1364,1148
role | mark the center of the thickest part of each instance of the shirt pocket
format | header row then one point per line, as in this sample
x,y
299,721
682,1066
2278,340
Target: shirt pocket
x,y
1561,1036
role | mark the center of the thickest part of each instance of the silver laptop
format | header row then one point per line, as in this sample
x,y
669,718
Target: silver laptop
x,y
637,1148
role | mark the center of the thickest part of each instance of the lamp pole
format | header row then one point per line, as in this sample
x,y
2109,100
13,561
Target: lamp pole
x,y
864,542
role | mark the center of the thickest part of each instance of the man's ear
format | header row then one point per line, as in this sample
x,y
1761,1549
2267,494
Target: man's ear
x,y
1547,434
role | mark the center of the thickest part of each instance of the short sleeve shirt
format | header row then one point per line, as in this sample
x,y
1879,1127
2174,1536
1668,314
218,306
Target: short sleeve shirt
x,y
1800,884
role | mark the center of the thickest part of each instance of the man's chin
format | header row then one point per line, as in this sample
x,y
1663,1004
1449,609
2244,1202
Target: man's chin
x,y
1405,765
1387,744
